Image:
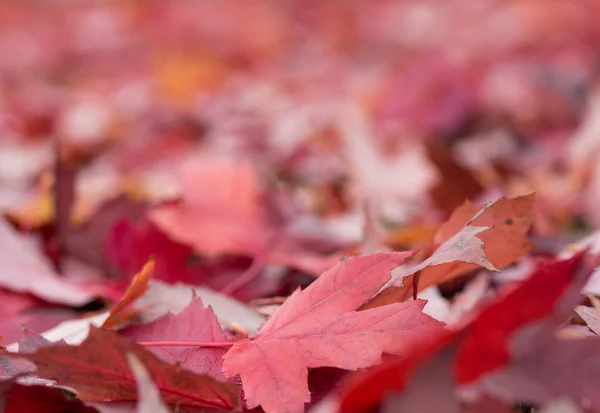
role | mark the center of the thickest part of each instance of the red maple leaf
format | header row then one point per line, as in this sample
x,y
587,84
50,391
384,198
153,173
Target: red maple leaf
x,y
319,327
221,212
194,324
225,211
128,247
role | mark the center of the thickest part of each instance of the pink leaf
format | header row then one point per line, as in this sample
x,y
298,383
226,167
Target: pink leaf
x,y
194,323
24,269
318,327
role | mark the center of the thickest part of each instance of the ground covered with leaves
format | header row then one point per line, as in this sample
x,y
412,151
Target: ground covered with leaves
x,y
300,206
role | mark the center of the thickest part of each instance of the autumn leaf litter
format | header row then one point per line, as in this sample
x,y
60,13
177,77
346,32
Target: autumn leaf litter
x,y
288,207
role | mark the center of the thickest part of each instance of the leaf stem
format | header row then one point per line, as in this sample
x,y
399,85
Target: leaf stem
x,y
416,285
185,344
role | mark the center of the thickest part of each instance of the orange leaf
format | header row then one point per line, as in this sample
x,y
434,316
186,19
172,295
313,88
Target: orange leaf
x,y
464,248
139,285
180,75
505,242
510,220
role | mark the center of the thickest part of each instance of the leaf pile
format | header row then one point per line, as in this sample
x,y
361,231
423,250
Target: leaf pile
x,y
288,207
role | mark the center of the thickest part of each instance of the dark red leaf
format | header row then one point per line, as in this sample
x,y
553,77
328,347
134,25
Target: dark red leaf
x,y
98,370
18,398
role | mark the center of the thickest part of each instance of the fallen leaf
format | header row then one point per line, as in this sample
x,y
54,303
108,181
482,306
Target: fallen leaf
x,y
139,285
98,370
163,298
71,331
591,315
18,398
484,345
420,235
224,198
87,241
455,184
548,295
194,324
392,184
287,117
468,299
11,368
24,269
542,367
221,212
149,400
464,248
32,341
20,369
318,327
40,210
181,75
128,247
430,389
509,221
18,310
